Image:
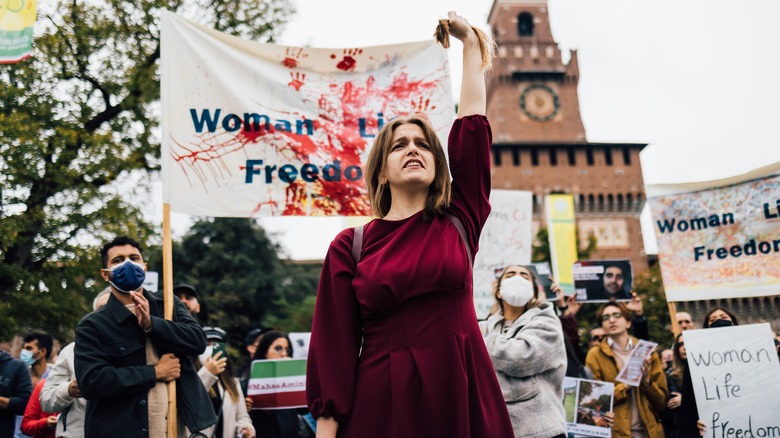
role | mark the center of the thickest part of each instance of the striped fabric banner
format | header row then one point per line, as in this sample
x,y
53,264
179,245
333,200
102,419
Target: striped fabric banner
x,y
278,384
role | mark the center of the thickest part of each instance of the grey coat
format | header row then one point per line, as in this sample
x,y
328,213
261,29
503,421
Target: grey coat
x,y
530,362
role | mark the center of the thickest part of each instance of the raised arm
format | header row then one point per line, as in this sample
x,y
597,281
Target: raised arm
x,y
477,55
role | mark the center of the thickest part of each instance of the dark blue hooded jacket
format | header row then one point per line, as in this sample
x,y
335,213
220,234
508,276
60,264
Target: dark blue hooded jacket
x,y
15,384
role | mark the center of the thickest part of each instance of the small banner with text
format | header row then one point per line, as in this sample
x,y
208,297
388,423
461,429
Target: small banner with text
x,y
277,384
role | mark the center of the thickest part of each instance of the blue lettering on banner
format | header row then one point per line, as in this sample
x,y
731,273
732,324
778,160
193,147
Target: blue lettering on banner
x,y
331,172
209,121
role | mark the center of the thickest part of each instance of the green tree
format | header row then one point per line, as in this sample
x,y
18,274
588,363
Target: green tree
x,y
651,288
241,281
78,140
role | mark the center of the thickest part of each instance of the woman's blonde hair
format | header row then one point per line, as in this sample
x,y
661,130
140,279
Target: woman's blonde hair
x,y
487,46
533,302
379,196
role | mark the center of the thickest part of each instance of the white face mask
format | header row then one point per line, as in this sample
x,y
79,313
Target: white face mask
x,y
516,291
206,354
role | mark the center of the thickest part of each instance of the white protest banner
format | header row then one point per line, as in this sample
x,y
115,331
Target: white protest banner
x,y
506,240
585,404
719,239
251,129
152,281
300,344
736,379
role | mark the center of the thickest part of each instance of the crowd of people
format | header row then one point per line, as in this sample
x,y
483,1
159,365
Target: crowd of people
x,y
396,349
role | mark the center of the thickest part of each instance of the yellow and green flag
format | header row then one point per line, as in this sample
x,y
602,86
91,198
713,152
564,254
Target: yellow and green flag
x,y
17,18
559,210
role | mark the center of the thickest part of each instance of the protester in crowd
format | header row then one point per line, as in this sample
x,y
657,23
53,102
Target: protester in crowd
x,y
575,355
15,389
719,317
36,350
685,322
35,422
635,409
525,342
404,296
250,347
227,398
127,351
61,392
278,423
189,297
669,415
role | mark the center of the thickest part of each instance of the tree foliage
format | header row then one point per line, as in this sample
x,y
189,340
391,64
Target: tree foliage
x,y
78,140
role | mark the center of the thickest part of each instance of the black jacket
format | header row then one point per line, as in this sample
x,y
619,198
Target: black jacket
x,y
110,363
15,385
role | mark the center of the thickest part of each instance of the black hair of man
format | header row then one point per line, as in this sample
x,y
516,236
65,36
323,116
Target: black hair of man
x,y
118,241
43,339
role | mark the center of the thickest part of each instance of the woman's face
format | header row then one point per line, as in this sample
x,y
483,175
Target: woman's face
x,y
681,349
718,314
279,349
410,161
517,270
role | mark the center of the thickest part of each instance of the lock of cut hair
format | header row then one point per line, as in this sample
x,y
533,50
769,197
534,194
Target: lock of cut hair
x,y
487,47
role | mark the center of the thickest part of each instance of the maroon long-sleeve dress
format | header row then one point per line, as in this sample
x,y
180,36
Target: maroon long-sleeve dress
x,y
423,370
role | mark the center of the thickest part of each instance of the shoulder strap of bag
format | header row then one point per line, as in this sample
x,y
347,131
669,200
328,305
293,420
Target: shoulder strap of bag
x,y
462,232
357,239
357,244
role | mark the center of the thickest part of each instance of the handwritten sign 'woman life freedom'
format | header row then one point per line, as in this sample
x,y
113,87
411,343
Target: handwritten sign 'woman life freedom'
x,y
736,379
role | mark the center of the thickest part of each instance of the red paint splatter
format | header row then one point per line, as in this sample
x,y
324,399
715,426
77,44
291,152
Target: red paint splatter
x,y
336,138
297,80
332,56
349,62
292,56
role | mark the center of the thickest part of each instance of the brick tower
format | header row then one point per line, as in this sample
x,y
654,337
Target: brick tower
x,y
539,139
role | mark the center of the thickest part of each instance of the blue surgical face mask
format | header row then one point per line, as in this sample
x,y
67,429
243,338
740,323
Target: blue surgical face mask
x,y
28,357
127,276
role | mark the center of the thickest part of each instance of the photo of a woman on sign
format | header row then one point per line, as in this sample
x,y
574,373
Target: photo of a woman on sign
x,y
603,280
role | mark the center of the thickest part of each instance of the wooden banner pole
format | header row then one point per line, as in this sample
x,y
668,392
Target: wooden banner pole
x,y
673,315
168,300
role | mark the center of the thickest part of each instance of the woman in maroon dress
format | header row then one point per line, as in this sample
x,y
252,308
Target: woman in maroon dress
x,y
395,349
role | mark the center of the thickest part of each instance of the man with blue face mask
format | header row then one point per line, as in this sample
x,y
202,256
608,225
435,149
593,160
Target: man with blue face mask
x,y
126,352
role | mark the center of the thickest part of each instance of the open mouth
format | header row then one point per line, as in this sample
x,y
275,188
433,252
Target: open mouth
x,y
414,164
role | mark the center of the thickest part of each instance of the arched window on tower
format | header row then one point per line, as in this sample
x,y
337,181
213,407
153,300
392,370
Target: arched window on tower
x,y
525,24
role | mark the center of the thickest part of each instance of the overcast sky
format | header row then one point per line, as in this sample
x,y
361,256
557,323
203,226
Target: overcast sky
x,y
697,80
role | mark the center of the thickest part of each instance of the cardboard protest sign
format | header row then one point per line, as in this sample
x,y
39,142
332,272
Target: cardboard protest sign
x,y
542,273
719,239
277,384
17,19
505,240
251,129
602,280
631,373
736,379
585,402
559,211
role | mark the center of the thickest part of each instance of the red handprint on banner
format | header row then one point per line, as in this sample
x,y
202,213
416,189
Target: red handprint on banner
x,y
297,80
292,56
348,63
